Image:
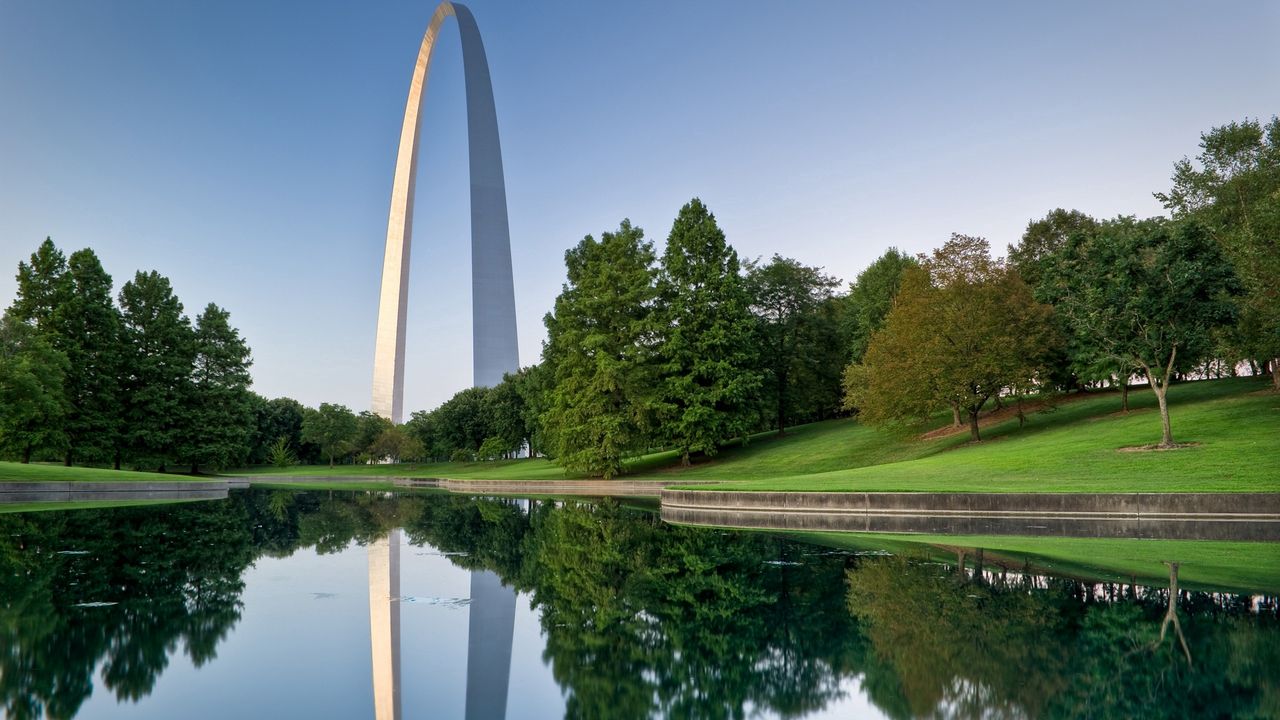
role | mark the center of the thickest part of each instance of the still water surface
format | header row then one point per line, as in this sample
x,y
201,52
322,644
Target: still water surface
x,y
281,604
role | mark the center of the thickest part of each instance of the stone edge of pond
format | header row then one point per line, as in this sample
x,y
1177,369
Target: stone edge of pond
x,y
79,491
1215,506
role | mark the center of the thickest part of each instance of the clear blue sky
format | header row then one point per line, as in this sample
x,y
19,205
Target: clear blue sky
x,y
245,149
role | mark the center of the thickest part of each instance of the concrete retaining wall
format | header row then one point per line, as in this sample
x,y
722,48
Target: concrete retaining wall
x,y
26,492
1136,505
1189,516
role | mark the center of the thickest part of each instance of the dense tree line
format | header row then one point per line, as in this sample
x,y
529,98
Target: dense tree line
x,y
88,379
1083,302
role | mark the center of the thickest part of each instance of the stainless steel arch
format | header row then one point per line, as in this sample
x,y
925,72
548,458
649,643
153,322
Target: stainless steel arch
x,y
493,322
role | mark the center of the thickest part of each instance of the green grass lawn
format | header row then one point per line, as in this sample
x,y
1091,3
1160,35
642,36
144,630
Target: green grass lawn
x,y
1239,566
42,472
1073,447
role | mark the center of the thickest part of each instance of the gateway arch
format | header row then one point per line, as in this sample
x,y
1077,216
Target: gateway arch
x,y
493,306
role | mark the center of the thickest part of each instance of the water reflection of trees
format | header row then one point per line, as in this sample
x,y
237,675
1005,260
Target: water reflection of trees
x,y
640,618
965,645
125,589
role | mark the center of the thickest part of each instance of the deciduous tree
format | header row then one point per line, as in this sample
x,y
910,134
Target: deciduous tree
x,y
1233,189
332,427
1148,294
964,329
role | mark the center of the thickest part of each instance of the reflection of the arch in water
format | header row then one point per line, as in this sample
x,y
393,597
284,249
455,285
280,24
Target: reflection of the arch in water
x,y
490,629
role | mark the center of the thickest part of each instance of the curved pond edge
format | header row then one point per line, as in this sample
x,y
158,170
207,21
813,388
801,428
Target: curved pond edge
x,y
1181,516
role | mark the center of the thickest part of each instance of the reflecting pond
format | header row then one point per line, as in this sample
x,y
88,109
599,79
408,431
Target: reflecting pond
x,y
344,605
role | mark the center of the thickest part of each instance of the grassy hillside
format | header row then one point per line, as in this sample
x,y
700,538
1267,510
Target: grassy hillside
x,y
1073,446
41,472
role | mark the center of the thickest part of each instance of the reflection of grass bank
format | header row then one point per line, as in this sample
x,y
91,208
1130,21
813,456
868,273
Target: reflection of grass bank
x,y
1206,565
1073,448
41,472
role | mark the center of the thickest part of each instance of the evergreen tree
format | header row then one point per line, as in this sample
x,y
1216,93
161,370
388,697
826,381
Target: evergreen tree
x,y
32,403
40,286
220,411
160,353
705,350
600,349
87,330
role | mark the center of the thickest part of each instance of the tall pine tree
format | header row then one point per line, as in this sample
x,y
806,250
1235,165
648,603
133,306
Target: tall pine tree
x,y
708,384
157,371
220,414
40,286
87,328
600,351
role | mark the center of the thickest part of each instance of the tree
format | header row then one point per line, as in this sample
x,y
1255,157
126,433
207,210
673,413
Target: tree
x,y
395,444
1043,240
1072,365
332,427
369,427
1149,294
965,328
508,415
705,346
464,421
160,354
32,404
871,296
40,286
601,350
87,329
1235,193
221,410
280,417
785,297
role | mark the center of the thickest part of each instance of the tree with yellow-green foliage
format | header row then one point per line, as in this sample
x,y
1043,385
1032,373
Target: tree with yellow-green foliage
x,y
964,329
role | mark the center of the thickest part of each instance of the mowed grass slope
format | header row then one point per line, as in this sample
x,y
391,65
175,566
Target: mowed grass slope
x,y
1235,425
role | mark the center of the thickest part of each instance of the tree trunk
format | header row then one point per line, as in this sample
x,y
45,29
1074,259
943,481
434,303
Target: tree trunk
x,y
66,459
955,414
195,468
330,461
1124,397
26,454
1166,438
782,404
115,465
1275,374
1171,614
973,426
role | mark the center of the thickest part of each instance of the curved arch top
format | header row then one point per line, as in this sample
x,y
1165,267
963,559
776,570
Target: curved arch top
x,y
493,322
